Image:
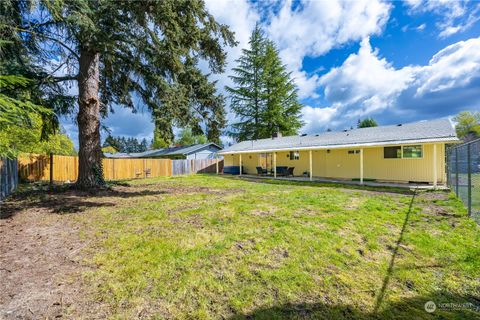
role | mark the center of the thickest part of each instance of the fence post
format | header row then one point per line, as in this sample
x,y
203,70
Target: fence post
x,y
469,190
51,168
144,168
456,171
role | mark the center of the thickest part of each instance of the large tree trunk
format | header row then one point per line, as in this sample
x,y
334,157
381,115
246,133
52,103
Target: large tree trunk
x,y
90,173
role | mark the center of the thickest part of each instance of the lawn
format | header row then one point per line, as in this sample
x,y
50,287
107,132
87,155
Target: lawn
x,y
208,247
463,192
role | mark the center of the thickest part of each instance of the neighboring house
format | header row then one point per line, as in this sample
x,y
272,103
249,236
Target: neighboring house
x,y
193,152
413,152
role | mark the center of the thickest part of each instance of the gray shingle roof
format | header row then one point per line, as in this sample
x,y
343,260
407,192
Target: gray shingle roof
x,y
423,131
185,150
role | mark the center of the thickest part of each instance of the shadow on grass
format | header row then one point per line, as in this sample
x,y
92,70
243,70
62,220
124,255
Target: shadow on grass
x,y
448,306
64,199
381,189
386,280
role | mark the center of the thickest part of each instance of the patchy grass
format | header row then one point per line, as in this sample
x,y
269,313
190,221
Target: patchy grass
x,y
206,247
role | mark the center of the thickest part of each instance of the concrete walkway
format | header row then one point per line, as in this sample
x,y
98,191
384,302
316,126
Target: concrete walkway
x,y
411,186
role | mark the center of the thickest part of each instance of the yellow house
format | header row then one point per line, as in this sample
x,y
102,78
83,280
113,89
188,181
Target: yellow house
x,y
405,153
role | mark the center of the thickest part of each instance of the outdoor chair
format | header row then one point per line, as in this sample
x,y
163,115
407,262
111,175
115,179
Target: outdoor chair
x,y
282,171
290,171
261,171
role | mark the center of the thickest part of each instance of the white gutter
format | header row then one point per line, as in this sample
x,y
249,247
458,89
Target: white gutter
x,y
345,146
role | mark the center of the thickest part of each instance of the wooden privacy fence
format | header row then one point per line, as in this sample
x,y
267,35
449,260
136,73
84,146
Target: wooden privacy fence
x,y
8,177
180,167
36,167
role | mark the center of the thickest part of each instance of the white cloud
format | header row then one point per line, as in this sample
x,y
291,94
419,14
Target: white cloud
x,y
455,16
421,27
366,84
311,29
316,118
453,66
241,17
315,27
365,81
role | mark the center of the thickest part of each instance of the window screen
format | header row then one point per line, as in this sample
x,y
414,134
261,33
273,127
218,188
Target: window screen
x,y
412,151
392,152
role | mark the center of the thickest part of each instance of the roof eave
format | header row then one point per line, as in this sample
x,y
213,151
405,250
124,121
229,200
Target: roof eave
x,y
345,146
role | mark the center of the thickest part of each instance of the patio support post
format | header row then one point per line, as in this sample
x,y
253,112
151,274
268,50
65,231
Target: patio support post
x,y
275,165
310,159
240,160
361,166
434,166
216,162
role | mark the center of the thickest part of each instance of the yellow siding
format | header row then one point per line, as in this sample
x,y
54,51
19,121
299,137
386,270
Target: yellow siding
x,y
338,163
376,167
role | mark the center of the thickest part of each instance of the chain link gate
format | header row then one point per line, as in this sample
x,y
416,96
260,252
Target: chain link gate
x,y
463,175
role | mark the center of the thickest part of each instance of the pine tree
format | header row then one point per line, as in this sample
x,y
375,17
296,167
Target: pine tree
x,y
115,50
29,98
159,137
143,145
265,98
245,97
282,109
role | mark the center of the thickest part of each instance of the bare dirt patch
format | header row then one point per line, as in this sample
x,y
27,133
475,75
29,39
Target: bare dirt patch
x,y
41,259
41,251
40,265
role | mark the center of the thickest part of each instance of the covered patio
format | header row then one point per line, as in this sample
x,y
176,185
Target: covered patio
x,y
363,166
408,154
410,186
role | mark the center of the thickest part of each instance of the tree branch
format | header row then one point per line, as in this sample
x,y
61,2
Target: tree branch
x,y
61,43
65,78
38,25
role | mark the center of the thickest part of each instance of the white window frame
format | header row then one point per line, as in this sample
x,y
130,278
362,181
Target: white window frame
x,y
401,152
296,155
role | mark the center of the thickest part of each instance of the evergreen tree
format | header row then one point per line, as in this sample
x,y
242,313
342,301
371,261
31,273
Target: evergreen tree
x,y
29,98
143,145
158,140
112,142
265,97
366,123
114,50
282,109
126,145
245,98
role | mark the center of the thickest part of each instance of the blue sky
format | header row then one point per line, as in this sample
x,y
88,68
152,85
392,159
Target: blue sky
x,y
394,61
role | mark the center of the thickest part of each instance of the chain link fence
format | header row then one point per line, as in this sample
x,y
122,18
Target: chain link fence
x,y
463,175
